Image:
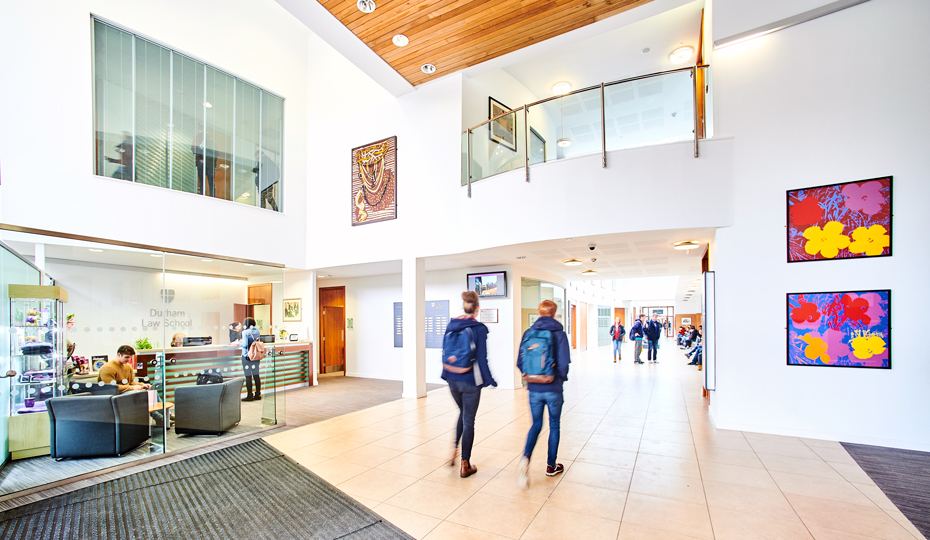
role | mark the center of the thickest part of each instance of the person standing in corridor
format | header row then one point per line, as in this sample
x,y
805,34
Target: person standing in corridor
x,y
653,332
636,334
617,333
465,368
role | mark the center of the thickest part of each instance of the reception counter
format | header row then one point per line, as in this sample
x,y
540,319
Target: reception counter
x,y
288,364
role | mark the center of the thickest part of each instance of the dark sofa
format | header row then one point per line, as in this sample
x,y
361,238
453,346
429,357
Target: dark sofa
x,y
95,426
207,409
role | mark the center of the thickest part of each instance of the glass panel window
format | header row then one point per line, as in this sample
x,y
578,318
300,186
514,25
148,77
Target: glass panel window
x,y
164,119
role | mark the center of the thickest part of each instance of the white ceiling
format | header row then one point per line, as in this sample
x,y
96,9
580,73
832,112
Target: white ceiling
x,y
614,55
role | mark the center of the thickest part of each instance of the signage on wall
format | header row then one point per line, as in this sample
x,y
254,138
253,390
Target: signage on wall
x,y
437,317
398,324
171,319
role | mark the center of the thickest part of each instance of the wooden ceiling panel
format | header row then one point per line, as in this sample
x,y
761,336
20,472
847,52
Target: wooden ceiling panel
x,y
456,34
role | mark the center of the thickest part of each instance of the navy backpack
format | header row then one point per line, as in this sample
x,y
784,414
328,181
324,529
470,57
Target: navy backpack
x,y
538,364
458,350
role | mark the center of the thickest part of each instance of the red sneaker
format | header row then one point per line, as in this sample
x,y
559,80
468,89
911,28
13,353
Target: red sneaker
x,y
552,471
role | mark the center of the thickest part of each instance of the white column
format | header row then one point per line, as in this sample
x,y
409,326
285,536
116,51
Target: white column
x,y
414,298
314,326
40,262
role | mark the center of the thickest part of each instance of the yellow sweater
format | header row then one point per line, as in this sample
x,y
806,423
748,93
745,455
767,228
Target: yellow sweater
x,y
115,371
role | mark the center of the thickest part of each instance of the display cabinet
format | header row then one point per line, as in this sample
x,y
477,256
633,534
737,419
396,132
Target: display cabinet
x,y
38,356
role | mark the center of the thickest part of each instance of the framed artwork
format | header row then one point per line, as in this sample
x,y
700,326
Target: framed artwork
x,y
532,318
374,182
503,131
292,310
840,221
840,329
686,321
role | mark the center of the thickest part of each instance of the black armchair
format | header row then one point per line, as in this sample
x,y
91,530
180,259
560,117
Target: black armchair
x,y
207,409
93,426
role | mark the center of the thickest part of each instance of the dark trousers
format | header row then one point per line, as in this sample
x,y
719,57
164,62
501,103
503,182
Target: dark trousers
x,y
466,396
248,384
653,352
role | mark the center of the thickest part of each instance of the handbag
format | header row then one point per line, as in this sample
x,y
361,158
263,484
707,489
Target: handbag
x,y
209,378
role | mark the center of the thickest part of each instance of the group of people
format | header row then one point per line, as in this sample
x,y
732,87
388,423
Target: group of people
x,y
643,329
543,359
689,338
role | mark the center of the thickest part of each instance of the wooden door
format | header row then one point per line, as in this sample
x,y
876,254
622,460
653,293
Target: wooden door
x,y
241,311
575,322
619,313
332,329
583,325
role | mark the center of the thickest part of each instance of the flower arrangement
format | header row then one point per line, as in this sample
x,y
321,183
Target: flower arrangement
x,y
70,321
283,334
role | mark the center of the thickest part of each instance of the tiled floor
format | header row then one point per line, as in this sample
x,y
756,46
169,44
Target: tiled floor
x,y
642,459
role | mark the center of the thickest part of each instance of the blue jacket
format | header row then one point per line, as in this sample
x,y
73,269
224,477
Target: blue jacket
x,y
245,342
481,353
561,350
637,330
653,330
613,330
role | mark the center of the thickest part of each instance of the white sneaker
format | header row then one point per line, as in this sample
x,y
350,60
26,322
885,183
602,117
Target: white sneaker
x,y
523,473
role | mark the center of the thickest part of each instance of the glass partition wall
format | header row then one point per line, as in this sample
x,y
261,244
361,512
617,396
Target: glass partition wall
x,y
183,381
534,291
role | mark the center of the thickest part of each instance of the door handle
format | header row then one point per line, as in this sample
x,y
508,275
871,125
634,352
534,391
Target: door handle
x,y
9,374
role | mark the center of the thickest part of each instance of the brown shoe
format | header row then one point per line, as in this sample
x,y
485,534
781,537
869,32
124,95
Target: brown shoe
x,y
467,469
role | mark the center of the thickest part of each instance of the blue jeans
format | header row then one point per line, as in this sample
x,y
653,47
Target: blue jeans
x,y
653,352
617,343
466,396
538,401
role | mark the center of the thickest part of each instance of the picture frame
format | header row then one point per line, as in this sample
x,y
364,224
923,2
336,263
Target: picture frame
x,y
532,318
839,329
686,321
488,315
846,220
502,131
293,311
374,182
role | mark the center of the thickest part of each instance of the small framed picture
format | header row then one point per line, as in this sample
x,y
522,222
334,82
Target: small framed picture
x,y
686,320
487,316
292,310
503,131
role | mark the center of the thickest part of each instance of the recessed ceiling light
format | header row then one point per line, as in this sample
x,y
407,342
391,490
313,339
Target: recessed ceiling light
x,y
400,40
687,245
589,272
207,260
681,55
207,104
365,6
564,142
646,50
429,69
571,262
95,250
561,88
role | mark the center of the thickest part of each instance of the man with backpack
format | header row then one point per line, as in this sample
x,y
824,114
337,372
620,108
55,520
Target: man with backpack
x,y
636,334
653,332
543,359
617,333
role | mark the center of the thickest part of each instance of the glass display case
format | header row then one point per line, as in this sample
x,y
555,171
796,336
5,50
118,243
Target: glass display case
x,y
38,347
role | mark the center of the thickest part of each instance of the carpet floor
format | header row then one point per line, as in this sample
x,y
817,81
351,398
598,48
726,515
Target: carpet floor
x,y
248,490
904,476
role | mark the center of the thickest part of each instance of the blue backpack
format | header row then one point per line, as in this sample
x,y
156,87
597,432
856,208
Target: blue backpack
x,y
458,350
536,351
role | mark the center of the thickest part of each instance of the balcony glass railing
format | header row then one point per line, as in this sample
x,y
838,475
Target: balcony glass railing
x,y
645,110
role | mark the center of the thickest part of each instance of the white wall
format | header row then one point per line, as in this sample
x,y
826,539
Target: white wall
x,y
47,135
734,16
808,107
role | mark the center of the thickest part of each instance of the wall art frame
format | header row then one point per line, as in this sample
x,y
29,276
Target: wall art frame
x,y
374,182
855,325
846,220
293,311
503,131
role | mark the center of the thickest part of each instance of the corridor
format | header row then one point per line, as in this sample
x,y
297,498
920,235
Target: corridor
x,y
642,460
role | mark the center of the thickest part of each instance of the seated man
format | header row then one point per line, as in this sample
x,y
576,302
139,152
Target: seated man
x,y
122,371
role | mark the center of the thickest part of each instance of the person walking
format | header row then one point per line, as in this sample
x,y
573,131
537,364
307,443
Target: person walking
x,y
543,359
636,334
617,333
464,346
653,332
250,335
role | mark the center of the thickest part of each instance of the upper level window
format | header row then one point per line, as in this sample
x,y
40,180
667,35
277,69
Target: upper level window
x,y
165,119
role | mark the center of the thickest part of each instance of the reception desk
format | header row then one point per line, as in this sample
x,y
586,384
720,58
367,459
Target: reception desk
x,y
288,364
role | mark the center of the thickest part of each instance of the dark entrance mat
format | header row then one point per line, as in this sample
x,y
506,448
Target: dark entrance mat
x,y
245,491
904,476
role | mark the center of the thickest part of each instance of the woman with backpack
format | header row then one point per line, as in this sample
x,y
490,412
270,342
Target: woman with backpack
x,y
465,368
250,335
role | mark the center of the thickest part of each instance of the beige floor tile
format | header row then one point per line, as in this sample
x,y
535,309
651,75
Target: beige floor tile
x,y
730,443
332,447
376,484
821,443
554,523
415,465
288,441
621,421
451,476
435,448
852,472
665,448
370,503
613,443
651,434
336,472
819,533
769,437
730,525
727,456
734,474
853,518
628,531
821,488
589,500
807,467
494,458
412,523
668,465
902,520
453,531
749,500
499,515
876,495
504,484
667,486
399,441
592,474
669,425
668,515
603,456
431,498
612,430
798,450
305,458
370,455
834,455
365,435
503,442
